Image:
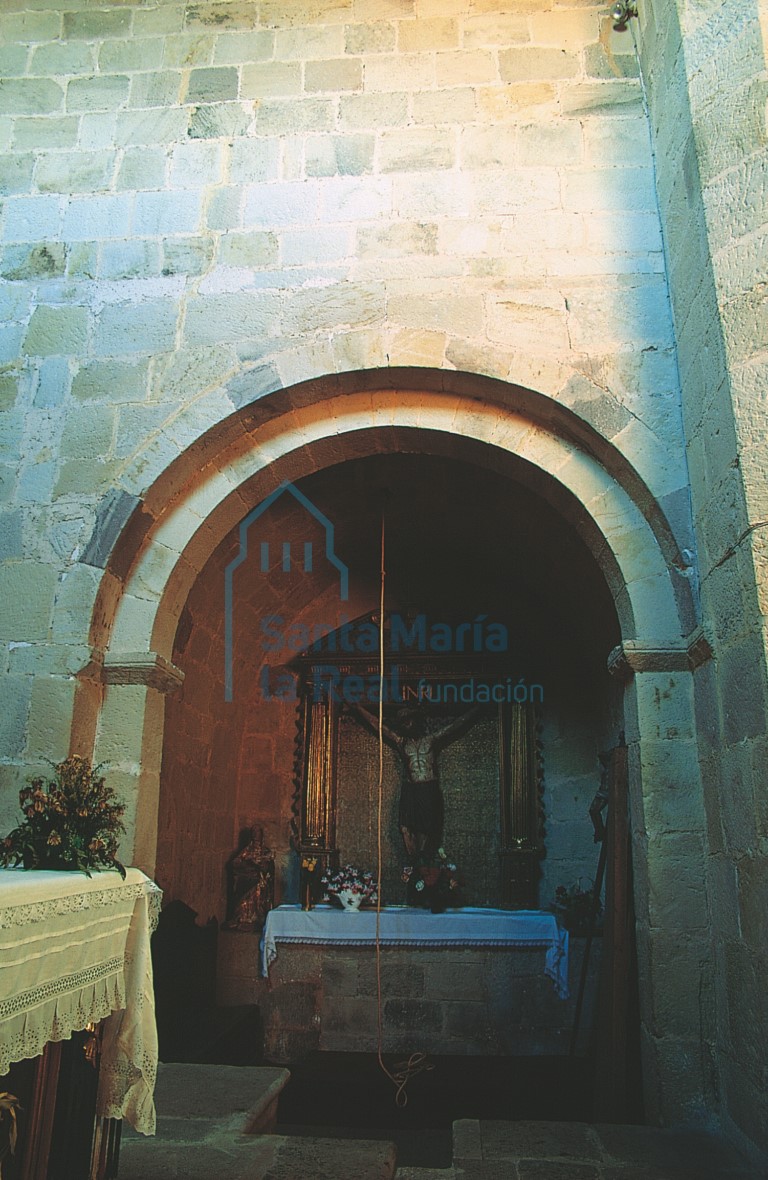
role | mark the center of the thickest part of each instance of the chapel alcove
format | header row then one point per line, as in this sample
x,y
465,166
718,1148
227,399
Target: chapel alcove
x,y
463,539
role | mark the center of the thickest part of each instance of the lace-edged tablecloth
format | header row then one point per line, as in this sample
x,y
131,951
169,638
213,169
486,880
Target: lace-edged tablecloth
x,y
74,950
405,926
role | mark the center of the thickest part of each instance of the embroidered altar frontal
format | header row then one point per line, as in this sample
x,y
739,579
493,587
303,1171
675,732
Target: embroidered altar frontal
x,y
74,950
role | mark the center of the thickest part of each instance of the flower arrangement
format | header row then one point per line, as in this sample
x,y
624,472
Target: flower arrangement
x,y
72,822
433,882
350,880
573,906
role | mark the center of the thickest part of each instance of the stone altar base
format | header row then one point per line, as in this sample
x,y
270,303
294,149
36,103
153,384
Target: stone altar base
x,y
464,1001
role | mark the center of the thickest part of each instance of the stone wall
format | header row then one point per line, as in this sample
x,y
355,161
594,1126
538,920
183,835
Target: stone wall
x,y
706,84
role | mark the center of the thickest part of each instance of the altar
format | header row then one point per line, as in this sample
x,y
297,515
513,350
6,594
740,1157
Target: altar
x,y
74,952
407,926
470,981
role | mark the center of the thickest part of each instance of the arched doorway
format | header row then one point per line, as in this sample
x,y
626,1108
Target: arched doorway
x,y
550,454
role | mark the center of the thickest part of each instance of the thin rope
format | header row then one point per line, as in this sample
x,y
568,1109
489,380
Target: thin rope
x,y
403,1071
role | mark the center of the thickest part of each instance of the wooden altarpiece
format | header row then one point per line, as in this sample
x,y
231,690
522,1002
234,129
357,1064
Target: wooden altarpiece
x,y
505,753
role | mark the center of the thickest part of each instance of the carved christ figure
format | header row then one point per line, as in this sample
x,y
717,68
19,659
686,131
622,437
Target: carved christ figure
x,y
420,813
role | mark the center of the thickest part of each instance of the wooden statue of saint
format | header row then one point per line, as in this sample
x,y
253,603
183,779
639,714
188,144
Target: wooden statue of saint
x,y
420,812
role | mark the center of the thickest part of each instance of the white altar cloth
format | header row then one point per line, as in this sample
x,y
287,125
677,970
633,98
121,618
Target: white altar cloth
x,y
74,950
406,926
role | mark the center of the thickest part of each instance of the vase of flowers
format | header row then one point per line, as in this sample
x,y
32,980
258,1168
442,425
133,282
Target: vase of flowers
x,y
433,882
71,822
574,906
350,888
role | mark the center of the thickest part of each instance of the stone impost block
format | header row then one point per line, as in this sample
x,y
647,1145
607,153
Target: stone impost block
x,y
583,99
136,328
57,330
27,591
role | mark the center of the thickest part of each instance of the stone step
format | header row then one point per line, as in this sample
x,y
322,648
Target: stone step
x,y
580,1151
210,1124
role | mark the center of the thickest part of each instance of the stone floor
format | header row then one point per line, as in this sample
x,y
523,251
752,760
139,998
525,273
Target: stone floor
x,y
205,1111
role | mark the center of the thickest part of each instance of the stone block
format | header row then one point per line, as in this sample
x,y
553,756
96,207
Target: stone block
x,y
194,164
274,205
372,37
218,319
471,67
129,53
369,112
231,48
341,74
97,24
270,80
53,381
36,483
142,168
60,132
157,126
339,975
74,172
345,303
92,218
30,96
411,1015
135,327
161,88
220,120
50,715
583,99
156,214
253,160
356,1017
130,259
304,247
26,26
31,219
225,208
602,62
220,14
88,432
399,977
16,174
212,84
286,117
488,147
562,142
15,694
495,28
453,106
349,198
537,64
252,250
416,150
11,545
407,72
188,256
339,155
111,381
9,388
534,321
102,92
27,591
57,330
97,129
